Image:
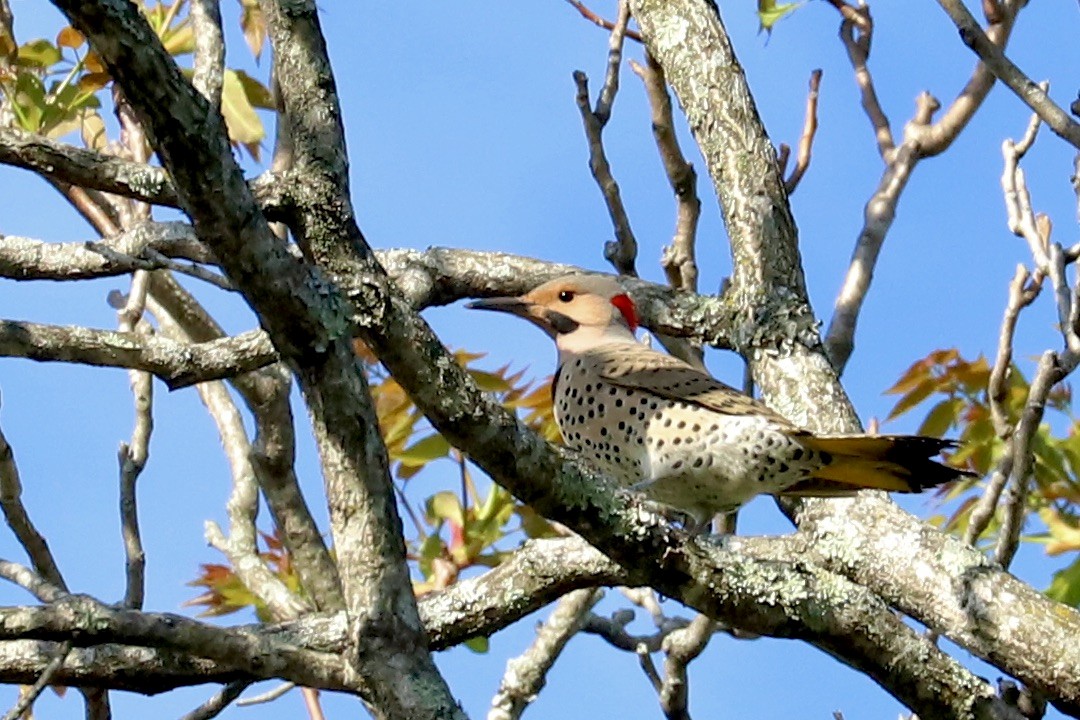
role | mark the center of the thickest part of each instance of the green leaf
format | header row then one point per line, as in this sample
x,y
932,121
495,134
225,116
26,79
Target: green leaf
x,y
424,451
770,12
1048,457
257,94
941,417
240,117
477,644
29,101
40,53
533,524
431,548
445,505
1065,587
489,381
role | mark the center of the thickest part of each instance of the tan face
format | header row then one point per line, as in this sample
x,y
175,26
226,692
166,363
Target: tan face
x,y
564,305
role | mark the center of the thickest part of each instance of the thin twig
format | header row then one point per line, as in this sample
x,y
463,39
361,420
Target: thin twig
x,y
29,695
1020,296
19,520
1034,96
622,253
218,701
857,45
311,704
678,259
806,141
922,137
601,22
526,675
858,16
31,581
681,647
133,455
1052,368
243,504
649,667
268,696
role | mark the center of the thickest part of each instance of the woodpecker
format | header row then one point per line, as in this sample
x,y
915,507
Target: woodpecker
x,y
660,426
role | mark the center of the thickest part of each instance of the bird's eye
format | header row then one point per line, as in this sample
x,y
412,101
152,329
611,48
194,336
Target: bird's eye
x,y
566,296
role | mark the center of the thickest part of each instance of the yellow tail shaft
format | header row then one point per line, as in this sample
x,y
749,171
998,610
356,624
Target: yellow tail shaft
x,y
896,463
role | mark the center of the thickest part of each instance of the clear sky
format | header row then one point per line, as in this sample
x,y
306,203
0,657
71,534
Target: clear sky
x,y
463,132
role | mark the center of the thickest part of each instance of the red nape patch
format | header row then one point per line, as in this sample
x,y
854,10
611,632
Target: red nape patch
x,y
626,307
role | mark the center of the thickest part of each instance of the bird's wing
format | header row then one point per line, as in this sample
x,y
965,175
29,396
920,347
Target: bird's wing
x,y
640,368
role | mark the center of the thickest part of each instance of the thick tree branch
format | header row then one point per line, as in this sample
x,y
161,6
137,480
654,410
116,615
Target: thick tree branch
x,y
178,364
437,276
85,622
72,165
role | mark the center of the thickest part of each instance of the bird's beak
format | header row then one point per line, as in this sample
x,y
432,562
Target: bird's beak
x,y
516,306
512,305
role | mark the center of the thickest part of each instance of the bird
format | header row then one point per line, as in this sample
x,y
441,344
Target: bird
x,y
685,440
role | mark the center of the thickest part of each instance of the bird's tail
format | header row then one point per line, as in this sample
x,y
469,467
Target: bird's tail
x,y
896,463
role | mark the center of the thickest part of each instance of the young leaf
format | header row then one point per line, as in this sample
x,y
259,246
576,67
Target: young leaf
x,y
39,53
1065,587
770,12
69,37
477,644
241,119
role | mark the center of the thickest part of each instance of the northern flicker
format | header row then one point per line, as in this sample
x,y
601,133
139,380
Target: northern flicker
x,y
661,426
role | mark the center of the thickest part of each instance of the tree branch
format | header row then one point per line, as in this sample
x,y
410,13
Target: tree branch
x,y
991,54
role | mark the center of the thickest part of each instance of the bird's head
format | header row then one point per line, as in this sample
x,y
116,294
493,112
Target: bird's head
x,y
578,311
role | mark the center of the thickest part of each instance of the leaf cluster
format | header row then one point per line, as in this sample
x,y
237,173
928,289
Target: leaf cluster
x,y
56,87
956,390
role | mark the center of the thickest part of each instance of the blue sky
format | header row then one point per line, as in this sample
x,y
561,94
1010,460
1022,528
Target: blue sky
x,y
463,132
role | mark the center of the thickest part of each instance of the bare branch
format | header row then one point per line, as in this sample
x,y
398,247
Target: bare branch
x,y
147,246
178,364
27,696
220,700
19,520
1026,89
678,259
857,45
86,622
922,138
1020,296
269,462
526,675
1052,369
30,581
132,455
806,140
70,165
243,504
209,71
622,253
681,647
599,21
